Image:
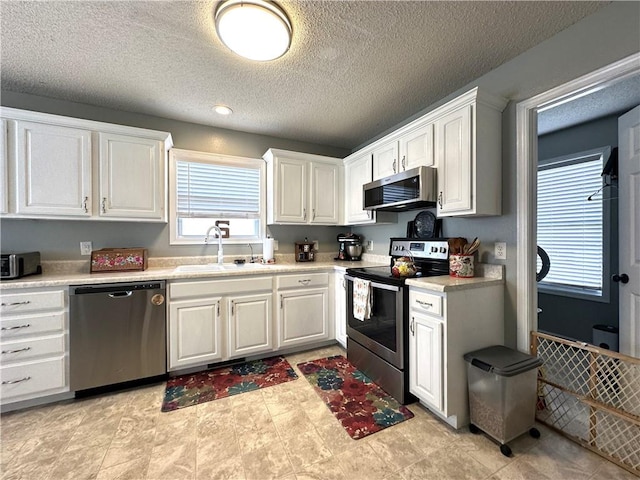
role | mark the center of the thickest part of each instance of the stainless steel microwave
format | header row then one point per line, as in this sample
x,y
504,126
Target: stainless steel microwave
x,y
17,265
408,190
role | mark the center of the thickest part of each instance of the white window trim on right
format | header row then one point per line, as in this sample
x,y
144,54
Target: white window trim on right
x,y
596,286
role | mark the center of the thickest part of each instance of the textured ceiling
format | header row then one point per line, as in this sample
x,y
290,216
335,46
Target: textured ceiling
x,y
354,70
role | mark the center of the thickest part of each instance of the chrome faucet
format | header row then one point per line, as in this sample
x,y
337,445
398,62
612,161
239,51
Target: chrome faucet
x,y
219,234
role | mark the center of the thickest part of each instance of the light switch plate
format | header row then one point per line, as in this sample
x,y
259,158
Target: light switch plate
x,y
85,248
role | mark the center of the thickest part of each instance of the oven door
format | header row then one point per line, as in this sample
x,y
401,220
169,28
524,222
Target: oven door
x,y
383,333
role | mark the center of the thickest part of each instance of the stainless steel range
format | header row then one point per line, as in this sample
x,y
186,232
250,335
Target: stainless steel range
x,y
378,345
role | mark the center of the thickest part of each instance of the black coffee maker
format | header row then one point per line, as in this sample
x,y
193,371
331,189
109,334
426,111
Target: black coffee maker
x,y
350,247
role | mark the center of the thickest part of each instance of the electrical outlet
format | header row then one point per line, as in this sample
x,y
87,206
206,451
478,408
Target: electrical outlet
x,y
275,245
85,248
369,245
500,250
316,245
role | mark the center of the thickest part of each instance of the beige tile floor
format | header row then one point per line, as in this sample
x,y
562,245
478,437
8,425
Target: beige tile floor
x,y
283,432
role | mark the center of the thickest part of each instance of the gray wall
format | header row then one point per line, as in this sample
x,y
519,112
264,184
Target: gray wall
x,y
608,35
573,317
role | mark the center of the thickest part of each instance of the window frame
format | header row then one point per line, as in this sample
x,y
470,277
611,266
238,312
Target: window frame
x,y
175,155
605,197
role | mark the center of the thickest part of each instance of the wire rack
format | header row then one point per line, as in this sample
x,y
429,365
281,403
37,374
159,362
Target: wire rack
x,y
592,396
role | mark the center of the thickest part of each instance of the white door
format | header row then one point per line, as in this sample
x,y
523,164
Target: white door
x,y
304,317
425,360
385,160
629,230
325,196
453,147
357,173
249,324
291,190
132,178
53,170
416,148
194,333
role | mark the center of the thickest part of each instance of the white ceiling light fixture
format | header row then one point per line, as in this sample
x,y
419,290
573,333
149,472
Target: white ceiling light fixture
x,y
222,109
254,29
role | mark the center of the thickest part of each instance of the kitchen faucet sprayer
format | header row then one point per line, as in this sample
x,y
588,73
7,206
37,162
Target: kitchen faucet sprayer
x,y
219,234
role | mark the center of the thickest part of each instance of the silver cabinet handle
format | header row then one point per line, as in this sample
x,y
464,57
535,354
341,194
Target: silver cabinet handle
x,y
26,302
6,352
440,199
304,213
26,325
424,304
404,167
411,326
84,204
394,166
11,382
233,307
313,214
305,282
104,204
218,309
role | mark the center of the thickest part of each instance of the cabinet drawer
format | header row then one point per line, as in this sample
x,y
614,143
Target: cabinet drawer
x,y
425,302
19,326
32,378
302,280
29,349
32,302
218,287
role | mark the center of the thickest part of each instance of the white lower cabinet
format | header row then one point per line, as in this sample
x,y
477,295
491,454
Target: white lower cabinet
x,y
250,324
195,336
216,320
303,313
443,327
33,341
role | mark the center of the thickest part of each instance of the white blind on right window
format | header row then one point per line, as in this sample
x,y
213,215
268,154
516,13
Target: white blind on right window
x,y
570,228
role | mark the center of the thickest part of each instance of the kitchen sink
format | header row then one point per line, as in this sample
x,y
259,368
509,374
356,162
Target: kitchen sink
x,y
215,267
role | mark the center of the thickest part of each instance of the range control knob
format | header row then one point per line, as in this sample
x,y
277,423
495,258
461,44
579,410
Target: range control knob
x,y
434,249
443,249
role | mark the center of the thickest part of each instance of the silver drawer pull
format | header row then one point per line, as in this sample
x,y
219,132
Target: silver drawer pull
x,y
305,282
6,352
424,304
26,325
26,302
11,382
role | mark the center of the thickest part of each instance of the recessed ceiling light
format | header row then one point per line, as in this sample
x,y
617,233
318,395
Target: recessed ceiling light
x,y
255,29
222,110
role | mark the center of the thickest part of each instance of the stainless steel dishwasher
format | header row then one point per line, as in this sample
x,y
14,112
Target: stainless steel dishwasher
x,y
117,333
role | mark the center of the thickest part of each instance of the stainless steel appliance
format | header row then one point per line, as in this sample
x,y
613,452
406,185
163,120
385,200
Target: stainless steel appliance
x,y
17,265
117,333
378,346
350,247
408,190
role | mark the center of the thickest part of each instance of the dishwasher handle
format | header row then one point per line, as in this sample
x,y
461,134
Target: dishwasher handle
x,y
124,294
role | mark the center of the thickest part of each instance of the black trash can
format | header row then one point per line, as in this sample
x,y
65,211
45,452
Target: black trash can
x,y
502,393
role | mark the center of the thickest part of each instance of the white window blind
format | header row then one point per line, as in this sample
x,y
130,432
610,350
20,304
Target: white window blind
x,y
570,228
210,190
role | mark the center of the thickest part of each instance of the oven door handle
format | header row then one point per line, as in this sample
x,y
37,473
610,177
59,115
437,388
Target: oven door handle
x,y
383,286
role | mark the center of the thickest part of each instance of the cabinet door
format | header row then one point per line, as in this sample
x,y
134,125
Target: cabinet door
x,y
249,324
425,360
340,310
325,195
194,333
357,172
53,170
303,317
385,160
455,170
4,184
416,148
291,190
132,177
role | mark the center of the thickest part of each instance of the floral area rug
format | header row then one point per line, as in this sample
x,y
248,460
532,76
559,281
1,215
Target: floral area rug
x,y
360,405
188,390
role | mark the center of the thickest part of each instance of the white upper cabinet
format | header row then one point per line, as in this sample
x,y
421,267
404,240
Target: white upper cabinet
x,y
403,151
4,173
132,177
357,172
468,145
53,169
302,188
61,167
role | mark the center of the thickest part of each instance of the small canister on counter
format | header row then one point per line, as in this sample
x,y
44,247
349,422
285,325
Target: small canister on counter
x,y
461,266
